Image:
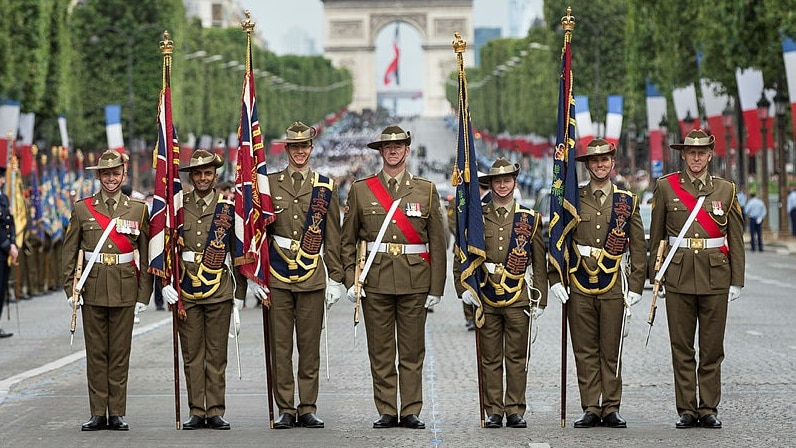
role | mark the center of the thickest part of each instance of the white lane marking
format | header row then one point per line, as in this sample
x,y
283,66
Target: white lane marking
x,y
754,333
8,383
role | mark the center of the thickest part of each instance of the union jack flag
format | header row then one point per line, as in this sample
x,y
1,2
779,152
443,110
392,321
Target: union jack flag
x,y
165,222
253,207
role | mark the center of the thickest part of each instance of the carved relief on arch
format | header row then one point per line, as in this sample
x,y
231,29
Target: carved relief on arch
x,y
346,28
418,20
446,27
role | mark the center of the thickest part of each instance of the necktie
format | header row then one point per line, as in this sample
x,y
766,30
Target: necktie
x,y
501,211
297,181
201,204
110,202
598,196
698,184
392,184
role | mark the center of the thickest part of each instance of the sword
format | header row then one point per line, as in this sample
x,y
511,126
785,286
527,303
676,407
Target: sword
x,y
326,338
236,318
625,315
532,316
95,254
360,280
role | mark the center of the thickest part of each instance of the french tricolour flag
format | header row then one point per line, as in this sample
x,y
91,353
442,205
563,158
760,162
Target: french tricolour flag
x,y
656,110
9,123
685,105
789,53
113,127
714,109
613,120
585,127
27,123
750,86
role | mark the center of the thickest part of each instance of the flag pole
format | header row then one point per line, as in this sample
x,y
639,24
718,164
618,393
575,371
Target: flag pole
x,y
469,234
564,201
171,254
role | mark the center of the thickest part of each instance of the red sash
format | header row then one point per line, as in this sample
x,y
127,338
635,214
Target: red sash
x,y
406,227
122,243
702,217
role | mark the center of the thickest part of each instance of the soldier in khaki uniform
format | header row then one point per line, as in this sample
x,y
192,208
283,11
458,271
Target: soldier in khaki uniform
x,y
407,275
117,286
515,262
607,242
706,272
208,287
307,225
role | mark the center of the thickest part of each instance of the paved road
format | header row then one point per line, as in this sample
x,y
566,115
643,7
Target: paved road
x,y
43,397
45,400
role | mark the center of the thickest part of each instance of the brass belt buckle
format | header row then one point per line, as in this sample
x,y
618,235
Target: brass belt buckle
x,y
696,243
109,259
294,246
499,269
395,249
197,257
595,252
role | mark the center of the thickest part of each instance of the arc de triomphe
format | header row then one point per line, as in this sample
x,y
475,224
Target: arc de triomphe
x,y
352,27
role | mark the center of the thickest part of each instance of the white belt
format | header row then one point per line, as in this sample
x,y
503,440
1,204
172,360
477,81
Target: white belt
x,y
111,259
699,243
586,251
493,268
398,249
286,243
196,257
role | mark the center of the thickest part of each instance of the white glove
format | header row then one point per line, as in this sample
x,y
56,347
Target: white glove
x,y
432,300
735,292
633,298
537,312
662,292
470,299
237,304
352,295
140,307
262,293
334,291
559,292
170,294
236,317
72,302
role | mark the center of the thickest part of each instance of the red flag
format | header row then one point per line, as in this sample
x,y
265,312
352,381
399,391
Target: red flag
x,y
392,69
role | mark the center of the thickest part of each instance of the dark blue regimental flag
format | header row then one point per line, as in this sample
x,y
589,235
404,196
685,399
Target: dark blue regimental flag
x,y
470,245
564,203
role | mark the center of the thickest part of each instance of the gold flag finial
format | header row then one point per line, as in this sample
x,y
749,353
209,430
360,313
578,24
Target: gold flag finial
x,y
166,45
568,21
459,44
247,25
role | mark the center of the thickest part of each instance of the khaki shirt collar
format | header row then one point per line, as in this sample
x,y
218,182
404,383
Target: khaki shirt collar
x,y
116,197
703,178
303,173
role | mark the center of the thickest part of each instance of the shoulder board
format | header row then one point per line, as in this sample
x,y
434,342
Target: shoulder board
x,y
139,201
667,175
364,178
421,179
627,192
522,208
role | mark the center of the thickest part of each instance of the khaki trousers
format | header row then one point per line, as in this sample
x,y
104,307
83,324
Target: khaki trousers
x,y
504,339
396,321
595,328
683,313
204,337
302,311
108,333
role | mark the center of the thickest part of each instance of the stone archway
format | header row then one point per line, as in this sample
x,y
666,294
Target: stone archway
x,y
353,25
